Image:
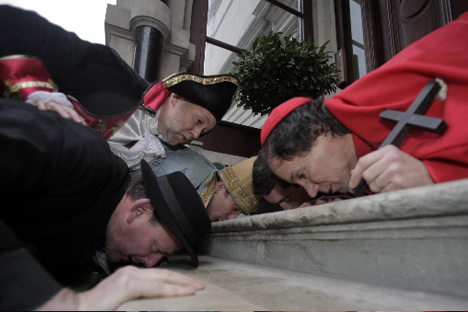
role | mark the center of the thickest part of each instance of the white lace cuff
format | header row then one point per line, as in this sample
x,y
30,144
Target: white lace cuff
x,y
49,97
147,148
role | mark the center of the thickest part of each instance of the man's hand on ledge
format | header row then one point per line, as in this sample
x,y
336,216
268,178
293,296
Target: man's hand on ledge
x,y
125,284
389,169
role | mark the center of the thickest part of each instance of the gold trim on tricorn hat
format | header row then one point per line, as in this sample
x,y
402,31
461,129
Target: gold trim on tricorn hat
x,y
238,182
215,93
18,56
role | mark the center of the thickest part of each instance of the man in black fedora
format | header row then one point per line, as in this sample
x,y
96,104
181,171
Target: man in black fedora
x,y
69,194
106,94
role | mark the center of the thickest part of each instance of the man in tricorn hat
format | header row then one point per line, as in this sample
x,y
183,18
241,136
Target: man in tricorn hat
x,y
71,195
103,91
183,107
330,145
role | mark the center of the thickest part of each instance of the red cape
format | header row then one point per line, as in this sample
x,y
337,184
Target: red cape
x,y
441,54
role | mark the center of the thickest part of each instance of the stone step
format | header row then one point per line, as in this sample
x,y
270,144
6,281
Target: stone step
x,y
414,240
405,250
236,286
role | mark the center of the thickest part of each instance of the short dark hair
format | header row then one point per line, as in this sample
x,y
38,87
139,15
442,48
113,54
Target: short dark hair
x,y
263,178
136,191
297,132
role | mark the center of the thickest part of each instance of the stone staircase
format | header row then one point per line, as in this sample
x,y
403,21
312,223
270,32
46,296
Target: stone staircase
x,y
405,250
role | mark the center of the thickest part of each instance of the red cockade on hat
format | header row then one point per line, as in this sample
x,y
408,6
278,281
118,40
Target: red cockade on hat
x,y
155,96
279,113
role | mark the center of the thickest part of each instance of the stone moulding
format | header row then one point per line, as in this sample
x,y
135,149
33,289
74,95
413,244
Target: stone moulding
x,y
444,199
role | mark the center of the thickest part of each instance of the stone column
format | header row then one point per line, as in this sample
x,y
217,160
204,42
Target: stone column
x,y
138,31
147,55
150,24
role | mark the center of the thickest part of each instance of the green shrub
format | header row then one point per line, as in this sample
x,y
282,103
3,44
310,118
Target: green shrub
x,y
279,69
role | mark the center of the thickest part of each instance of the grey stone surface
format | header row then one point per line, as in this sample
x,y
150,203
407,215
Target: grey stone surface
x,y
235,286
444,199
415,240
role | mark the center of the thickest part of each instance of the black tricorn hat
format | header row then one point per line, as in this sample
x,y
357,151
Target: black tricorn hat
x,y
215,93
177,204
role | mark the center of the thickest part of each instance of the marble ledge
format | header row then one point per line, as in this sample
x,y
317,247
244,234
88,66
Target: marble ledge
x,y
438,200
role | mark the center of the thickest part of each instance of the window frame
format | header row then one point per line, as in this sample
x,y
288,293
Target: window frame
x,y
198,29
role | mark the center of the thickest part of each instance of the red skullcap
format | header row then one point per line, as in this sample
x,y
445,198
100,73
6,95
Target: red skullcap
x,y
279,113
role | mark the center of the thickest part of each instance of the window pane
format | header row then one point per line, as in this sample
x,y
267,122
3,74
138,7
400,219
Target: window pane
x,y
229,20
359,62
359,57
218,60
239,22
290,3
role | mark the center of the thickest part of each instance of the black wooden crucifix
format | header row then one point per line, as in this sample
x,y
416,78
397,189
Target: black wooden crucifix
x,y
412,118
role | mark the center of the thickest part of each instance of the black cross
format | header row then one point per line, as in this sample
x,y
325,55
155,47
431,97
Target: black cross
x,y
412,118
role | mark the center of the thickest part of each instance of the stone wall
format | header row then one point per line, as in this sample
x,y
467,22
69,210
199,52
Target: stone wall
x,y
414,239
172,20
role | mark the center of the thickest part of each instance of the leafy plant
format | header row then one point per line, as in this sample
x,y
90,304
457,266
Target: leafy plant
x,y
279,69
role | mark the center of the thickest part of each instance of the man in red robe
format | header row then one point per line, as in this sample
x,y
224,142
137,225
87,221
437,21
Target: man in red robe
x,y
330,147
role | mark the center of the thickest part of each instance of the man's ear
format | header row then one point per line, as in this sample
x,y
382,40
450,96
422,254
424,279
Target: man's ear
x,y
219,186
139,208
175,98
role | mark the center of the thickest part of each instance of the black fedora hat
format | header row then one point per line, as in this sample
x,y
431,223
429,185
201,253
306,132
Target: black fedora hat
x,y
215,93
177,204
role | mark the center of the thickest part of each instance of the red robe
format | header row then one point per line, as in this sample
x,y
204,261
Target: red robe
x,y
441,54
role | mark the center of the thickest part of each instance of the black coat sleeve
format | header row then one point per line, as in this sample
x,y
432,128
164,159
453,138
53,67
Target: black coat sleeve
x,y
63,181
24,283
43,153
94,74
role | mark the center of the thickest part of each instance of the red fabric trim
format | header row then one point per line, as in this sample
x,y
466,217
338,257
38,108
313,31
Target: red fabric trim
x,y
105,126
19,70
156,96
